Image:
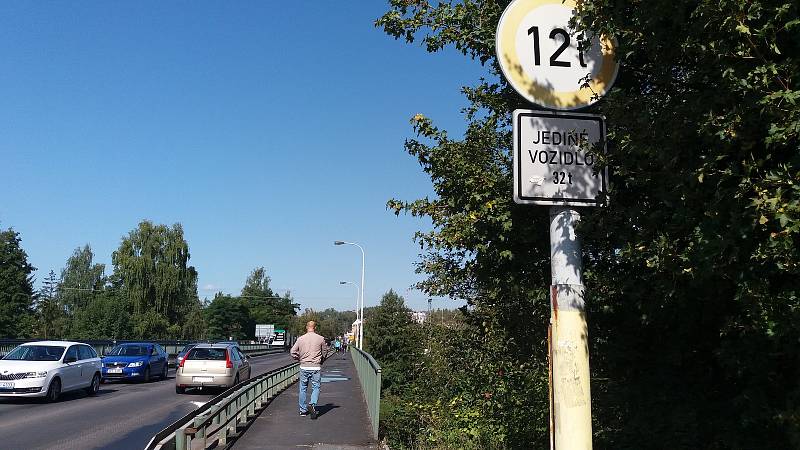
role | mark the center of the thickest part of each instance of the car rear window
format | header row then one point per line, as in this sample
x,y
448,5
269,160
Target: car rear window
x,y
207,354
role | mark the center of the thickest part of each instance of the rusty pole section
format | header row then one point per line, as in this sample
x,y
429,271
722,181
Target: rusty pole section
x,y
571,403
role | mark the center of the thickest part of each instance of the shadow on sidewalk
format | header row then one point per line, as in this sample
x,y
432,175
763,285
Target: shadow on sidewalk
x,y
323,409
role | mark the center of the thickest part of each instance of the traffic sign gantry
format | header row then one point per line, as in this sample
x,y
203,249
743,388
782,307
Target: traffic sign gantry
x,y
547,62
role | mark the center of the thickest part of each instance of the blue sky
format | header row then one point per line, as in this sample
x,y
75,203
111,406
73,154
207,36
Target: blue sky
x,y
267,131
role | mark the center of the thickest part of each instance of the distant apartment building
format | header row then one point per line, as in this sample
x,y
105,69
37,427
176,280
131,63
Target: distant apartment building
x,y
419,316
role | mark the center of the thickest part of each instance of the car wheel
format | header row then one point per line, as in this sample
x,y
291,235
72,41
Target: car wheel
x,y
95,386
180,390
53,391
164,372
146,376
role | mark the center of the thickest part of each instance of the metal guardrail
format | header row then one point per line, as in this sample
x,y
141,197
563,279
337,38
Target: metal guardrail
x,y
220,418
172,348
369,375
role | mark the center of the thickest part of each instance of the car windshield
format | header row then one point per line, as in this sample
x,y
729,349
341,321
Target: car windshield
x,y
207,354
129,350
35,353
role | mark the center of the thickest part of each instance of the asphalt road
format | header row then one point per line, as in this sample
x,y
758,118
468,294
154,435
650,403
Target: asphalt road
x,y
122,416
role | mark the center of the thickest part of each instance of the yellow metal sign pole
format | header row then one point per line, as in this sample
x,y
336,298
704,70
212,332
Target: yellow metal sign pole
x,y
571,403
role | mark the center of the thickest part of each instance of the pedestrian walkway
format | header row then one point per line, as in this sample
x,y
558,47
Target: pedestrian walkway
x,y
343,423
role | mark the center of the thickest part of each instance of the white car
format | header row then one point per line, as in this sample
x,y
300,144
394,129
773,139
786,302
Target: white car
x,y
48,368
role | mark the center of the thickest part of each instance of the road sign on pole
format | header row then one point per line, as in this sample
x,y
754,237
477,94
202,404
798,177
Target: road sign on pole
x,y
555,158
264,331
549,63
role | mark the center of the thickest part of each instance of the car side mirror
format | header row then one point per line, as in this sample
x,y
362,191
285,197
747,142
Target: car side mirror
x,y
70,359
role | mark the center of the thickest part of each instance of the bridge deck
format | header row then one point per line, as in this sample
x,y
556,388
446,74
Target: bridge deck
x,y
343,422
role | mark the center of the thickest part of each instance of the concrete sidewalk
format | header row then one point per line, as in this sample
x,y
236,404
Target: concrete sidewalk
x,y
343,423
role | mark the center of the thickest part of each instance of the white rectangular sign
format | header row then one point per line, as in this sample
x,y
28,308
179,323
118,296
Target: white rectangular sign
x,y
264,330
554,161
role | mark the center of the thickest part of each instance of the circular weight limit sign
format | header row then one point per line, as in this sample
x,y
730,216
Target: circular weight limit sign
x,y
546,62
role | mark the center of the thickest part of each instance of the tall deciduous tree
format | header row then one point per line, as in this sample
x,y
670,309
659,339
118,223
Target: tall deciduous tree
x,y
227,318
264,305
195,326
16,287
155,277
391,337
692,268
80,278
300,323
330,322
105,316
49,309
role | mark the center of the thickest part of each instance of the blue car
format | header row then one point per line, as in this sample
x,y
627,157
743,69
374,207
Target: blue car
x,y
135,361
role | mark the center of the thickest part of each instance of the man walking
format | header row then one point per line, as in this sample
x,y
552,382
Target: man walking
x,y
309,350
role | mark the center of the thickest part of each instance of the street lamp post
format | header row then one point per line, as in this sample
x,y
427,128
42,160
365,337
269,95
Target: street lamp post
x,y
361,309
358,319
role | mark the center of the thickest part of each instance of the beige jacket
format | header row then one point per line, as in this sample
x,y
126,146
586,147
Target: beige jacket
x,y
309,349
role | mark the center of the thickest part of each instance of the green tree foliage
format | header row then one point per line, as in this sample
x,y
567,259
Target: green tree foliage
x,y
227,318
152,294
330,322
93,305
195,326
155,278
691,269
105,315
16,287
392,338
308,315
335,323
50,310
79,278
264,305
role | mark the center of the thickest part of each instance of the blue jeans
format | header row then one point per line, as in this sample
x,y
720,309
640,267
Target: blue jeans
x,y
315,377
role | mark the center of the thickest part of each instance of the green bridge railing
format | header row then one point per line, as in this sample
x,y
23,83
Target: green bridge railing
x,y
212,424
369,376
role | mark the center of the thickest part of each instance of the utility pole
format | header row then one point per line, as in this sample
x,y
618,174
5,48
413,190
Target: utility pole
x,y
570,399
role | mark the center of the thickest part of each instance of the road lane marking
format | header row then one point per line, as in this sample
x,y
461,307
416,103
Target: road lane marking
x,y
332,379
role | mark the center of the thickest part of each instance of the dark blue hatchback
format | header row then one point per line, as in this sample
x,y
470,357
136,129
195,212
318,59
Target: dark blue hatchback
x,y
135,361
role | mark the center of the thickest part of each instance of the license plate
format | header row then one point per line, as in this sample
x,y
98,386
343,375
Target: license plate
x,y
114,371
6,385
202,379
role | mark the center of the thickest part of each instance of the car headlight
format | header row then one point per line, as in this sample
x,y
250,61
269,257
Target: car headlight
x,y
136,364
35,374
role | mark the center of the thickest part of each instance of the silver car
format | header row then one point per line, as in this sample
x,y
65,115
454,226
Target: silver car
x,y
211,365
